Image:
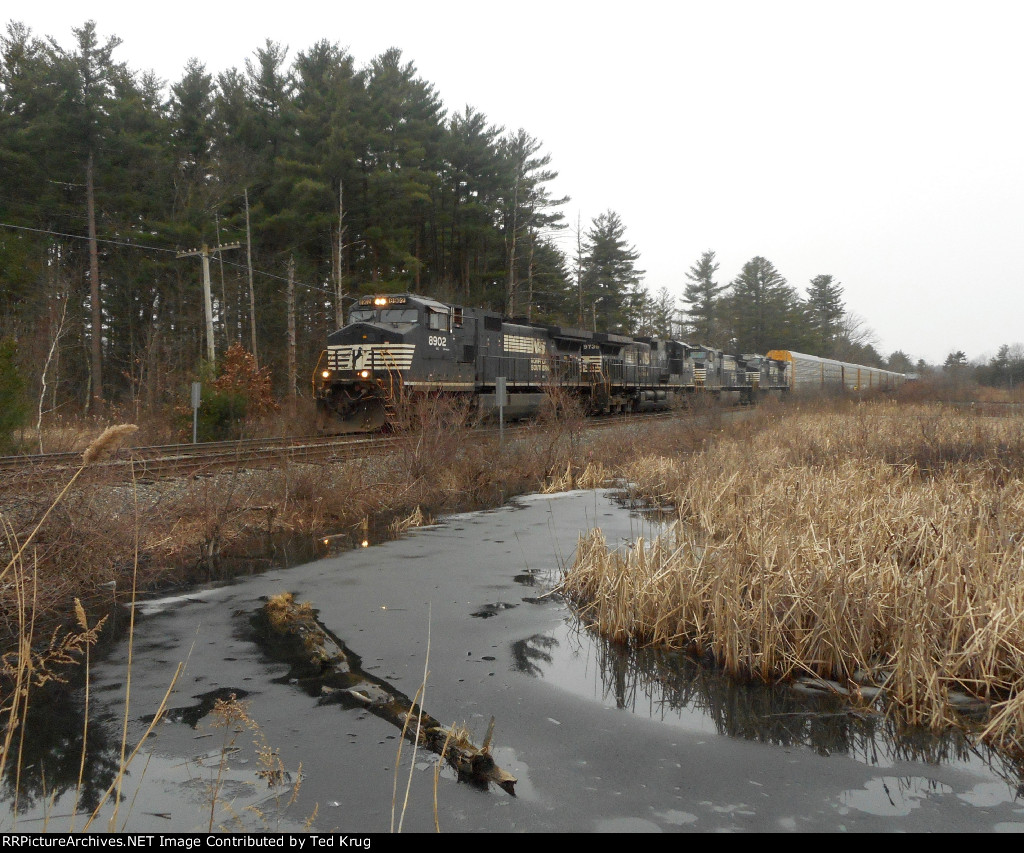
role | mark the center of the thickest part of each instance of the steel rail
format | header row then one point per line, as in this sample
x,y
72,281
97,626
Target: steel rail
x,y
154,461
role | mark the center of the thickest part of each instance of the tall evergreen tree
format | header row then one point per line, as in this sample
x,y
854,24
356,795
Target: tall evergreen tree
x,y
610,278
193,133
328,98
955,360
138,177
554,292
703,294
400,167
825,310
900,362
764,310
527,206
89,75
467,198
28,95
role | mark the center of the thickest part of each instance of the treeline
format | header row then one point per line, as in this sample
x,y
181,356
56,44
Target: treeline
x,y
1003,370
322,180
339,179
759,310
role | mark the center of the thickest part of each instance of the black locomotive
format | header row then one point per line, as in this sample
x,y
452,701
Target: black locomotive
x,y
397,344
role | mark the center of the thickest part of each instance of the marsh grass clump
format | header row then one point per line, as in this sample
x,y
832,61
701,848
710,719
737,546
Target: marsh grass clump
x,y
283,613
416,518
876,545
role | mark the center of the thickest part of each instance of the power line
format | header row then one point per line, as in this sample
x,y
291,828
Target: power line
x,y
142,247
81,237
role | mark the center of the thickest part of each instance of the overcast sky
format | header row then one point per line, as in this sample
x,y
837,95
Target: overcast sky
x,y
879,142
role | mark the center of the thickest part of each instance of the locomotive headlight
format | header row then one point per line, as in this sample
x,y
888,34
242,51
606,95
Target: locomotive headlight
x,y
365,374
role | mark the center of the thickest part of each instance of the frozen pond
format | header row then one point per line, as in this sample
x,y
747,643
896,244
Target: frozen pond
x,y
600,740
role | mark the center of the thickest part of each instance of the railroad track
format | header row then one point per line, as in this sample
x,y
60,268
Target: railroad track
x,y
156,461
164,460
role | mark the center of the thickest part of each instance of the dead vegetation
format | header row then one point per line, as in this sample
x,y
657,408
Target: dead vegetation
x,y
90,533
878,546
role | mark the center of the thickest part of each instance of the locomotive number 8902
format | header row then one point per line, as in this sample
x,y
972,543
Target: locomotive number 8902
x,y
394,344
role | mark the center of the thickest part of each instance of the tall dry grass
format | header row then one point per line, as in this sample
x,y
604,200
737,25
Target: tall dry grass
x,y
878,545
34,664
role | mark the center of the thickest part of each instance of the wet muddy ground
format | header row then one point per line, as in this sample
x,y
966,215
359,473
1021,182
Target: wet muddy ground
x,y
601,740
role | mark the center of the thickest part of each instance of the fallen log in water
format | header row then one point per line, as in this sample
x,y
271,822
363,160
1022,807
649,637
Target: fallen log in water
x,y
325,667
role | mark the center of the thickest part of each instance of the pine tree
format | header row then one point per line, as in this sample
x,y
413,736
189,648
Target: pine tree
x,y
28,94
825,310
193,132
466,200
703,294
90,75
955,360
610,278
555,299
764,310
400,167
527,206
900,362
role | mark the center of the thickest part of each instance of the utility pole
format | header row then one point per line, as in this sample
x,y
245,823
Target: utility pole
x,y
223,289
205,253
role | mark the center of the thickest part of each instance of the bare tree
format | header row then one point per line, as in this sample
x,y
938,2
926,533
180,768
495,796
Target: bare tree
x,y
54,346
853,336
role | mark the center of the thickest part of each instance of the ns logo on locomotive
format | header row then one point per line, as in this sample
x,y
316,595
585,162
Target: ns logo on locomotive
x,y
397,344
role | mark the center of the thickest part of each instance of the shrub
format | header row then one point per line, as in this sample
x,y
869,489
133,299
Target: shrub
x,y
240,390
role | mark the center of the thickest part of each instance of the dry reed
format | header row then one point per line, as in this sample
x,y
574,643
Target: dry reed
x,y
881,546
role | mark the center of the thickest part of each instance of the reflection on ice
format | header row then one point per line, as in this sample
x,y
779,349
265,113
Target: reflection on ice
x,y
893,795
529,654
680,690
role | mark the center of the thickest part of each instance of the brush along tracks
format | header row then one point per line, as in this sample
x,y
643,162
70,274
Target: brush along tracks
x,y
152,462
874,548
323,666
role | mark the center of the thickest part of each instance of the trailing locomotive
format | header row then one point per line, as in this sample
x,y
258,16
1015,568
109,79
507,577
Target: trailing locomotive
x,y
399,344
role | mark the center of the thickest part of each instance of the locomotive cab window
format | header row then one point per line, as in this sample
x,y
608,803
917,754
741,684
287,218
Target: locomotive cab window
x,y
439,320
399,315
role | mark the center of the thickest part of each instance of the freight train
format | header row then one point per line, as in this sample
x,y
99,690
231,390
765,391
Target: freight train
x,y
396,345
